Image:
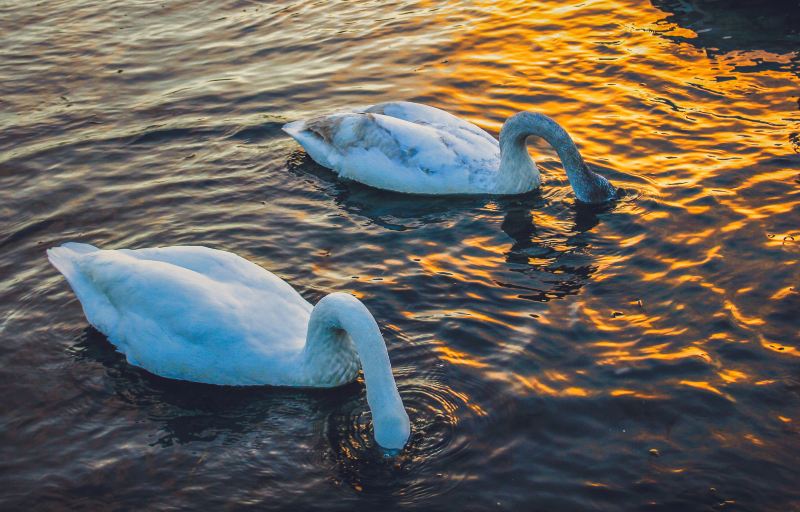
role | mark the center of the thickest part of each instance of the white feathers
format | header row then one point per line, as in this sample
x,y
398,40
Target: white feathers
x,y
404,147
203,315
190,313
418,149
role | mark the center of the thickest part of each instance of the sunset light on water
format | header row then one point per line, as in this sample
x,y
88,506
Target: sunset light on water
x,y
642,354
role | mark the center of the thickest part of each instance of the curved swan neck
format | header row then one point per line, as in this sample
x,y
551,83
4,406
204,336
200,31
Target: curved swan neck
x,y
588,186
340,322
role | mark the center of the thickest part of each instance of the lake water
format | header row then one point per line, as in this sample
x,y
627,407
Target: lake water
x,y
639,356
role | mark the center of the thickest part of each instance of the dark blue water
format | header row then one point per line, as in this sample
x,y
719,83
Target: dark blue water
x,y
639,356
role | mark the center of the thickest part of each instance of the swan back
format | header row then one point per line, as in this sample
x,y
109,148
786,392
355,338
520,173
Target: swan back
x,y
403,147
191,313
418,113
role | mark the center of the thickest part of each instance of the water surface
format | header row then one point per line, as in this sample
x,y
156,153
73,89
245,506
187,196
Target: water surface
x,y
553,356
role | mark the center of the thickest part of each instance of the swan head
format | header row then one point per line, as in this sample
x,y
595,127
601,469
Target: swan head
x,y
590,187
392,429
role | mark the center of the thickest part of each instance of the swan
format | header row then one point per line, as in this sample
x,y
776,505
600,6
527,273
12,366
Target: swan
x,y
205,315
418,149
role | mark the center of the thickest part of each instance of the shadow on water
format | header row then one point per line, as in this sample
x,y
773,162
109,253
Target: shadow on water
x,y
725,26
551,258
389,210
400,212
189,412
559,262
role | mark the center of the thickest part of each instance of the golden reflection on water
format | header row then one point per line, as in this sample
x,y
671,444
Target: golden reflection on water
x,y
669,116
518,70
680,293
455,357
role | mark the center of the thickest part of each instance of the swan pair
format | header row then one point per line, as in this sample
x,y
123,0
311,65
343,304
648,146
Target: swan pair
x,y
204,315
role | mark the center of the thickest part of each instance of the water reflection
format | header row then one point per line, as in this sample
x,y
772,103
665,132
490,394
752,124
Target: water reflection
x,y
441,427
195,414
389,210
544,348
559,264
187,412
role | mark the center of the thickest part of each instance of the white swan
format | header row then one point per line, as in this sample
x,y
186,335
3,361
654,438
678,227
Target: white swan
x,y
413,148
204,315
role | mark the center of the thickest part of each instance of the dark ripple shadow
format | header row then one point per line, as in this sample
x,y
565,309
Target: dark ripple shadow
x,y
554,272
444,421
445,426
190,412
722,27
391,210
558,272
400,212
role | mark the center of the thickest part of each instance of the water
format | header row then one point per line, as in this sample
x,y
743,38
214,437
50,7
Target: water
x,y
552,356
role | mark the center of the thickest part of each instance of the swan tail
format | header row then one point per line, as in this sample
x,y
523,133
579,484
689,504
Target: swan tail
x,y
294,128
315,135
64,258
96,306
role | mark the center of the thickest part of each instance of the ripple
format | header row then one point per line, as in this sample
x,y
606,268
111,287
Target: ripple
x,y
543,347
441,421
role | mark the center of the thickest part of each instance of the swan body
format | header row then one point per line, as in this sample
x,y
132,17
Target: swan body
x,y
205,315
418,149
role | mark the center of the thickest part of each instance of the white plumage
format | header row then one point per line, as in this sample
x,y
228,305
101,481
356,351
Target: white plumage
x,y
204,315
418,149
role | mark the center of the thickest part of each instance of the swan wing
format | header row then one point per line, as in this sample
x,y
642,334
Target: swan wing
x,y
396,154
222,266
189,313
426,115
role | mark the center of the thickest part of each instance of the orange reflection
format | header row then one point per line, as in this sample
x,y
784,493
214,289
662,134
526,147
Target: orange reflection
x,y
453,356
636,394
753,439
655,352
780,348
514,66
669,116
705,386
783,293
731,376
541,385
477,409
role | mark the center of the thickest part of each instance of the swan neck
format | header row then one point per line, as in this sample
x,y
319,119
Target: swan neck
x,y
588,186
340,322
